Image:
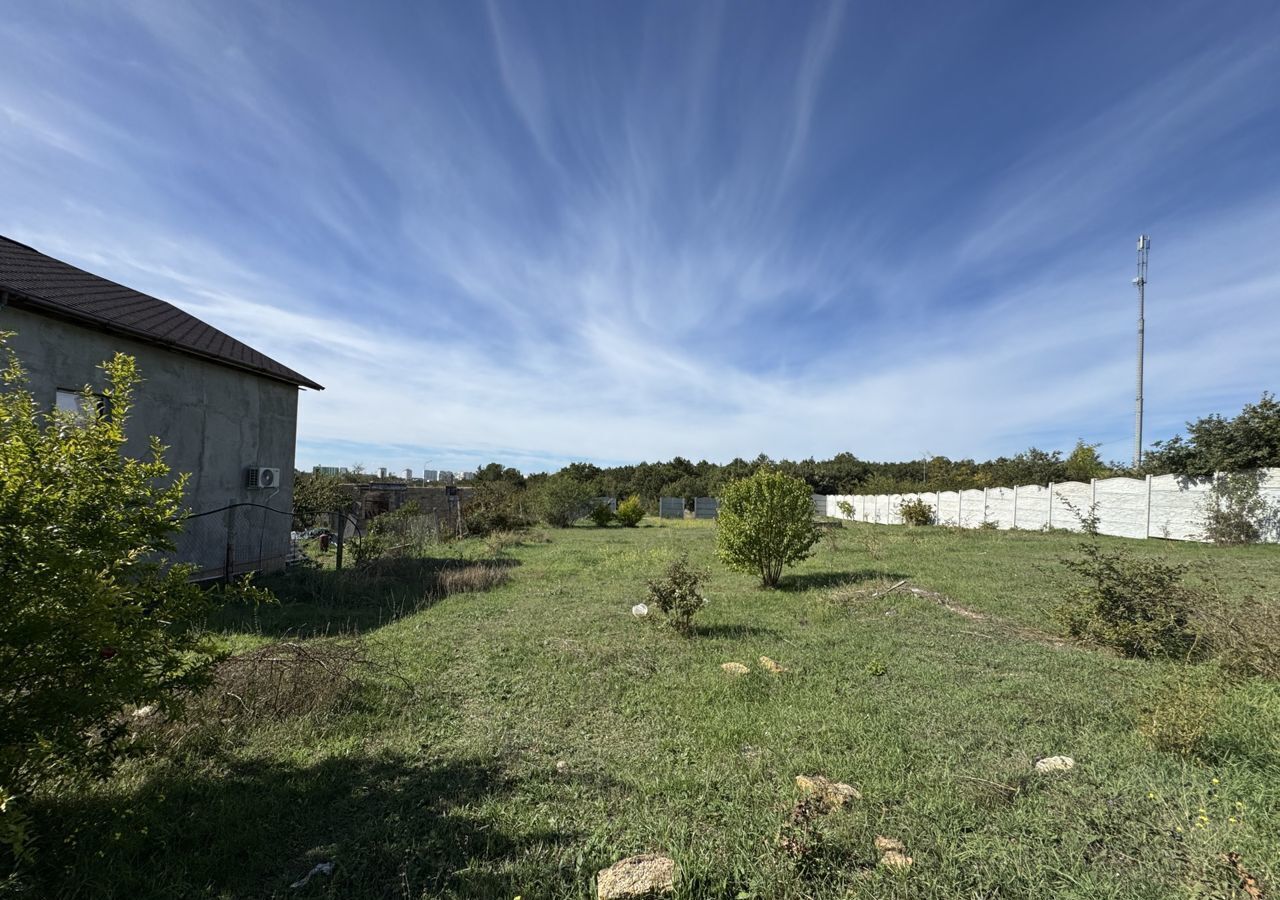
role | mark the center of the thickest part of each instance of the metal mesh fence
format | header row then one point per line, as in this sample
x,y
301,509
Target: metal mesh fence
x,y
236,539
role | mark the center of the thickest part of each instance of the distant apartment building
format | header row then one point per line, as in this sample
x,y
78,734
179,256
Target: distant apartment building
x,y
327,470
446,476
408,474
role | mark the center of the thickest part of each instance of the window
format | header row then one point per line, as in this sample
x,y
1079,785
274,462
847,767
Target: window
x,y
73,402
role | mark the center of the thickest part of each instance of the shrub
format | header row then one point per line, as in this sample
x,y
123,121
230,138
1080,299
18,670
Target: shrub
x,y
561,500
93,619
1133,604
679,593
765,523
916,512
1179,715
630,512
846,509
601,515
1235,511
495,506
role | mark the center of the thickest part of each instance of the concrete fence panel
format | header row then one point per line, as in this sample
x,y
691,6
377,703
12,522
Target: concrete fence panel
x,y
671,507
1067,494
705,507
1163,506
1122,506
972,508
1033,507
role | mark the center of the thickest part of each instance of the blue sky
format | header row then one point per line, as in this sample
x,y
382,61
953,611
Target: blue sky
x,y
541,232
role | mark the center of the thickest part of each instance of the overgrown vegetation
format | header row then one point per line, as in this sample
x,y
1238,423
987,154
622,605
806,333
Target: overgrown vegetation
x,y
1235,510
916,512
601,515
1137,605
547,733
765,523
92,619
679,593
562,500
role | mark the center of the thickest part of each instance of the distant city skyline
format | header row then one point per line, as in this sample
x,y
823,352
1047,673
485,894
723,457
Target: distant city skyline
x,y
541,233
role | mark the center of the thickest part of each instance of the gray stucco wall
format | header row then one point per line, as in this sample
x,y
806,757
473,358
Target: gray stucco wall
x,y
215,420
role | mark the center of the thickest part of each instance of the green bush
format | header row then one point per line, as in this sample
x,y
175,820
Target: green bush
x,y
916,512
1235,511
495,506
601,515
1134,604
630,512
765,523
561,500
93,620
679,593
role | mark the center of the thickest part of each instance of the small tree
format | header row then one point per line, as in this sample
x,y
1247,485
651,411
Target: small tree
x,y
679,593
916,512
601,514
92,619
1235,510
765,523
630,512
562,500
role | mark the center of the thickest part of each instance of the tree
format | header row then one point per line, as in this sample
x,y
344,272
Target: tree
x,y
561,500
317,495
1250,440
765,523
91,618
1084,463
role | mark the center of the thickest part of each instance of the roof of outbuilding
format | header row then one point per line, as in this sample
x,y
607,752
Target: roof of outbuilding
x,y
34,281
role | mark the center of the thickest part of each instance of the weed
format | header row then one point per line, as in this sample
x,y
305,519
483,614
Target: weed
x,y
1137,605
1179,715
678,594
916,512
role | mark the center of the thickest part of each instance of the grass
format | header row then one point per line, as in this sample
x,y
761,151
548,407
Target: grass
x,y
443,781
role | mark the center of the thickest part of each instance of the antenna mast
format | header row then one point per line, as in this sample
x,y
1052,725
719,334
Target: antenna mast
x,y
1144,245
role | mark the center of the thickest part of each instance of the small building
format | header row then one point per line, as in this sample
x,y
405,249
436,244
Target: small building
x,y
226,412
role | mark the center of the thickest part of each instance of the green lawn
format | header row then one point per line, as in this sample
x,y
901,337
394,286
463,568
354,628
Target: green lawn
x,y
449,787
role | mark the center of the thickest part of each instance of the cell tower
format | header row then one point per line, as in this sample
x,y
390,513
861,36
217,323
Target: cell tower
x,y
1144,246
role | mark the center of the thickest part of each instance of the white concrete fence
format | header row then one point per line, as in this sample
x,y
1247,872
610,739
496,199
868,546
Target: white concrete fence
x,y
1161,506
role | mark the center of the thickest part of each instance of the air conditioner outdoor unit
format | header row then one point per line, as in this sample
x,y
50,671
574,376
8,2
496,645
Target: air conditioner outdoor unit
x,y
261,477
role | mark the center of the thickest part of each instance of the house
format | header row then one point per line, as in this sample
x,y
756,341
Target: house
x,y
226,413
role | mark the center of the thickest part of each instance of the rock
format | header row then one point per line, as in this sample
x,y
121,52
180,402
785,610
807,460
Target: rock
x,y
734,668
895,859
562,766
771,666
1055,764
833,794
145,712
886,844
637,878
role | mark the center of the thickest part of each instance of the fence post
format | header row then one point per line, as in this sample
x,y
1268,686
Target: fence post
x,y
1014,526
1050,505
984,506
229,558
1147,532
341,530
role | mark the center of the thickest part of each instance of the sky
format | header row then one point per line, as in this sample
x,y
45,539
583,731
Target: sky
x,y
547,232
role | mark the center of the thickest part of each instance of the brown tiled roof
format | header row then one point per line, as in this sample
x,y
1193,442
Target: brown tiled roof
x,y
31,280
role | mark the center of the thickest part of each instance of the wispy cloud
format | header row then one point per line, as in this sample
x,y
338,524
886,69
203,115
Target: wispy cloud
x,y
635,233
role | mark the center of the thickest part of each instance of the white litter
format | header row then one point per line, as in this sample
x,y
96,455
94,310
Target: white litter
x,y
639,610
324,868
